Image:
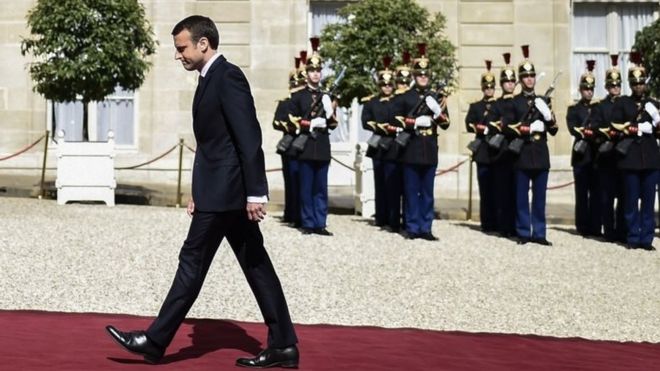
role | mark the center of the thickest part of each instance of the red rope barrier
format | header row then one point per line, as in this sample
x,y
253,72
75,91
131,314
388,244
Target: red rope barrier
x,y
148,162
25,149
560,186
441,172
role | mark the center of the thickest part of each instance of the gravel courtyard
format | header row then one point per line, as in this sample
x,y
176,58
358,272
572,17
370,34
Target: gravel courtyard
x,y
92,258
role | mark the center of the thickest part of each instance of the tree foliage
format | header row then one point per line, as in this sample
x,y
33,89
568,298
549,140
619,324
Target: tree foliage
x,y
375,28
647,41
84,49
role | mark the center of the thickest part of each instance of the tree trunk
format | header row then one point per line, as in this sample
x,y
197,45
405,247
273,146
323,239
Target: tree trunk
x,y
85,122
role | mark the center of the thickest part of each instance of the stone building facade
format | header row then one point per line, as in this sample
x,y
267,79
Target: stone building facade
x,y
262,36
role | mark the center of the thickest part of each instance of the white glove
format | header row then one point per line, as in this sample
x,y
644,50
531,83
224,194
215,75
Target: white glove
x,y
486,130
644,128
537,126
327,106
543,108
423,122
433,106
318,122
653,111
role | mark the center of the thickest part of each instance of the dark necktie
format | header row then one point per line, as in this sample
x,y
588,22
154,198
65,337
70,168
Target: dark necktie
x,y
200,79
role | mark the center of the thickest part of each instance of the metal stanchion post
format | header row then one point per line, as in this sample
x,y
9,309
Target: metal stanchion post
x,y
178,184
42,187
469,208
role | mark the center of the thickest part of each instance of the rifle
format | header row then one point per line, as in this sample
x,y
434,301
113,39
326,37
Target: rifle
x,y
580,147
516,145
420,109
316,110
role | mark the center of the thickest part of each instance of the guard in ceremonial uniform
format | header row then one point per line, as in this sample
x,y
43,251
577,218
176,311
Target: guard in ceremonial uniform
x,y
637,118
314,111
476,121
501,159
532,121
282,123
419,114
376,117
578,121
610,180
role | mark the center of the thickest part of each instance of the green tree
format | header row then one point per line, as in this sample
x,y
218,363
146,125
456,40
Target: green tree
x,y
647,41
84,49
375,28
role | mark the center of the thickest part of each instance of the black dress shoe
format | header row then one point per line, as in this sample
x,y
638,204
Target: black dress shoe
x,y
409,235
647,247
138,343
306,230
428,236
272,357
542,241
522,240
322,232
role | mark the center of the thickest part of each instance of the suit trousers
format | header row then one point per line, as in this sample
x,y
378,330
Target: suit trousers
x,y
639,185
313,177
587,201
418,181
207,231
535,226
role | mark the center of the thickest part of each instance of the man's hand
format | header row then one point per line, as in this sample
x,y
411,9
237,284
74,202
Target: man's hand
x,y
644,128
327,106
256,211
433,105
318,122
191,207
543,108
423,122
537,126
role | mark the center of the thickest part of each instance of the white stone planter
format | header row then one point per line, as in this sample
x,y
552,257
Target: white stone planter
x,y
86,171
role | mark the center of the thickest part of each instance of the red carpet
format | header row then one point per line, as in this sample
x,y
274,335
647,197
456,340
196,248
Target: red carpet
x,y
31,340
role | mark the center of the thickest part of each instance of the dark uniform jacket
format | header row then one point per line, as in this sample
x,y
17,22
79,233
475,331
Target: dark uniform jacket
x,y
601,120
422,149
534,154
476,121
377,117
627,113
281,123
317,147
501,112
578,119
229,162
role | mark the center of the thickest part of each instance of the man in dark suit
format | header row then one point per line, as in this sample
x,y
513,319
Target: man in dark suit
x,y
229,194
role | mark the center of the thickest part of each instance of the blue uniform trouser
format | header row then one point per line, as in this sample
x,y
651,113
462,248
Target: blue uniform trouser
x,y
293,169
380,193
611,191
313,193
393,191
487,195
587,200
640,219
418,183
533,227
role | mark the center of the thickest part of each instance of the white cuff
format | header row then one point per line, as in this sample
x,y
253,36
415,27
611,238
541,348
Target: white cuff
x,y
257,199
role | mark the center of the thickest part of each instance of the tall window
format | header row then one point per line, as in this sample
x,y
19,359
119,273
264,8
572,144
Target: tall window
x,y
117,113
604,28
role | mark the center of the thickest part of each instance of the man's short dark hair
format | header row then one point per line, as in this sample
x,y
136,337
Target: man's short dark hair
x,y
199,26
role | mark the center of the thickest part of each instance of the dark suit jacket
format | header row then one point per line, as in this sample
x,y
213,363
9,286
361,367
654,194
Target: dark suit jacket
x,y
229,161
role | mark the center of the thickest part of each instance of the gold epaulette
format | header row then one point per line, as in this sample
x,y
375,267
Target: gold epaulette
x,y
366,99
621,127
516,127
